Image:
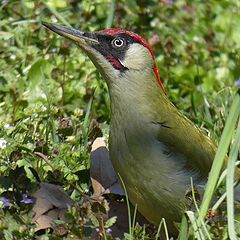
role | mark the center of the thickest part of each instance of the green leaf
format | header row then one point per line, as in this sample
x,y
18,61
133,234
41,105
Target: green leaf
x,y
5,35
110,222
94,220
35,75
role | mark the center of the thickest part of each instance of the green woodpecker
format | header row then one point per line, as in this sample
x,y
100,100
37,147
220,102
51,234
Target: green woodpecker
x,y
154,147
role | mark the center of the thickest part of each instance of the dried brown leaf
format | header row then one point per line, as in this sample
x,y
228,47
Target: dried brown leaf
x,y
103,177
51,204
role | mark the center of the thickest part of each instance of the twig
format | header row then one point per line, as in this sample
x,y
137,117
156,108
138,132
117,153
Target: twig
x,y
54,169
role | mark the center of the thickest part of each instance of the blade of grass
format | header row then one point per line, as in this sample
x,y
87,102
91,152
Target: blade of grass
x,y
230,184
53,128
165,229
183,229
207,114
128,208
85,125
158,235
194,223
220,156
134,218
202,228
224,195
103,230
110,15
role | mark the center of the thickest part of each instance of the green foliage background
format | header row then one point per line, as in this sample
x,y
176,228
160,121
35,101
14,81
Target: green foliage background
x,y
52,99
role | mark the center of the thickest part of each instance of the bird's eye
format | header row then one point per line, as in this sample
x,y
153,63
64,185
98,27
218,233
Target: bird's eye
x,y
118,42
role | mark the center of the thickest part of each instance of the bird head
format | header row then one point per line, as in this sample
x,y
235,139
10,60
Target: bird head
x,y
116,53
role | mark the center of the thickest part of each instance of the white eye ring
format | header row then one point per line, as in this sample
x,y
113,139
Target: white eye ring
x,y
118,42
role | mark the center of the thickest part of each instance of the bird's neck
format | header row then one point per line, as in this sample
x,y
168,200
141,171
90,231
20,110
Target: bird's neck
x,y
134,93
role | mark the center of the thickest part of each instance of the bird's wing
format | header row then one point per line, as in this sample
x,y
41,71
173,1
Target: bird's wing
x,y
180,135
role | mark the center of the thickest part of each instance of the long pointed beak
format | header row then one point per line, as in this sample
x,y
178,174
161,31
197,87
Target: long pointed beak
x,y
73,34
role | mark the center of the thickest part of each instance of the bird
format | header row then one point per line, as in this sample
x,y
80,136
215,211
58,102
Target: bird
x,y
153,147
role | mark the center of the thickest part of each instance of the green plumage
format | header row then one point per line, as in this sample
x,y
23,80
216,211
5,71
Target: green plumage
x,y
155,148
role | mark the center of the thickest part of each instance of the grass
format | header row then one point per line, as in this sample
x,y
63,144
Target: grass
x,y
53,101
